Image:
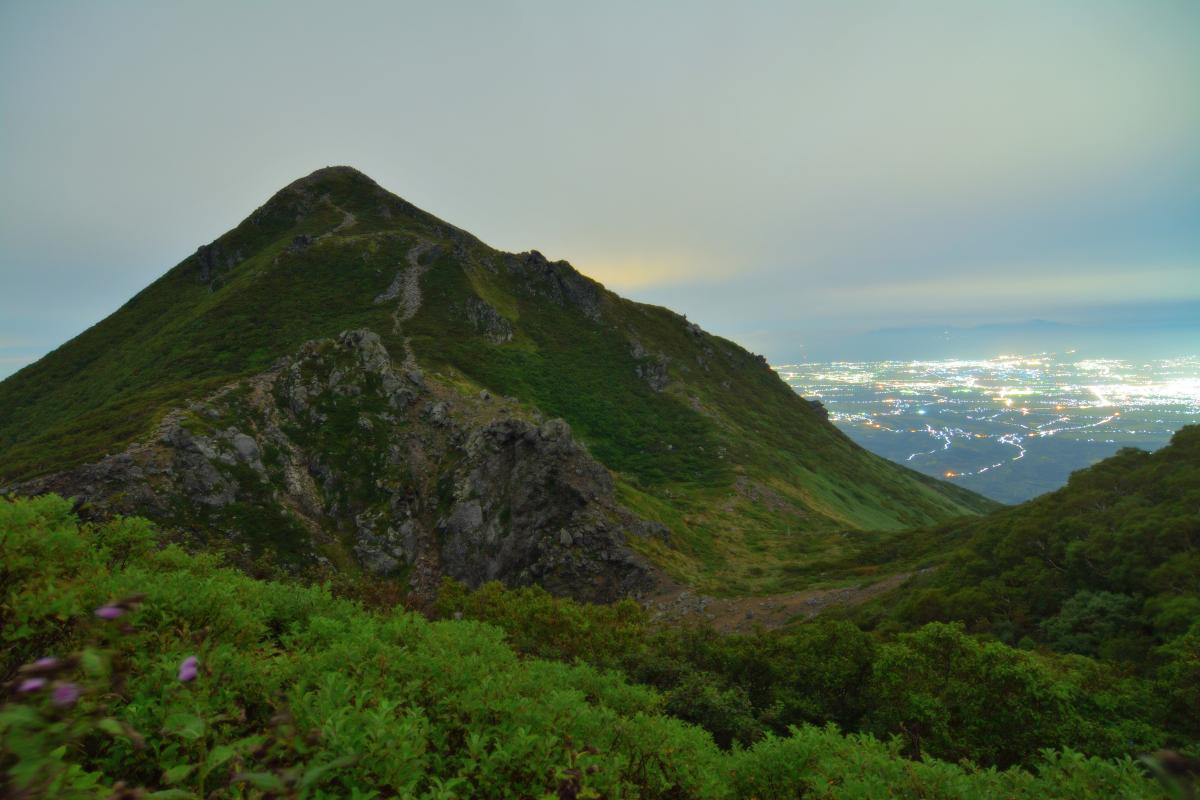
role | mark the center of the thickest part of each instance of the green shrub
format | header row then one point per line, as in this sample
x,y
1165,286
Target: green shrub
x,y
814,763
949,695
189,680
1097,624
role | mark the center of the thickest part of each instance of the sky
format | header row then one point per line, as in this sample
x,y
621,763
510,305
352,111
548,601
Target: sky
x,y
797,176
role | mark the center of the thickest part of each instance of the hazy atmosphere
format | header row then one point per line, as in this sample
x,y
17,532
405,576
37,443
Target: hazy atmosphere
x,y
791,175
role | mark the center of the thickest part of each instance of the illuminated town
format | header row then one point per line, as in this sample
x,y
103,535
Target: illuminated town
x,y
1010,427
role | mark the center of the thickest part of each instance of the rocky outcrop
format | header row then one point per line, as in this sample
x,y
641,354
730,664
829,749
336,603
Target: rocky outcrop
x,y
488,321
214,258
339,451
650,367
530,506
558,282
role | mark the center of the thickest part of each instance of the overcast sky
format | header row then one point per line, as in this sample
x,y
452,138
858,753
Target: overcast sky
x,y
784,173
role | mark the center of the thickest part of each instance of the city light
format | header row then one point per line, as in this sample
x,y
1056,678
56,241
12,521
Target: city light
x,y
976,420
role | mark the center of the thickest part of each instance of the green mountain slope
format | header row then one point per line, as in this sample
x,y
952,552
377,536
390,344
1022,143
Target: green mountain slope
x,y
1107,566
698,434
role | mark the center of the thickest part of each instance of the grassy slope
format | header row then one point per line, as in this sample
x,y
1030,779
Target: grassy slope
x,y
725,423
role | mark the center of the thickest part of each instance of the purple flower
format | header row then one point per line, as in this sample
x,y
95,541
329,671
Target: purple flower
x,y
109,612
188,669
31,684
65,694
43,666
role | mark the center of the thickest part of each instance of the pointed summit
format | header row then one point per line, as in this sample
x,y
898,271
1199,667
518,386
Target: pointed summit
x,y
331,174
344,186
343,182
338,200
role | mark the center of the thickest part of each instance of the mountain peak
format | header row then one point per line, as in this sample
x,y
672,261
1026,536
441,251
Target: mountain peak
x,y
335,175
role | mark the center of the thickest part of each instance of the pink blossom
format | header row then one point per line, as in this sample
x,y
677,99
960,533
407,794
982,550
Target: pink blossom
x,y
189,669
110,612
31,684
65,694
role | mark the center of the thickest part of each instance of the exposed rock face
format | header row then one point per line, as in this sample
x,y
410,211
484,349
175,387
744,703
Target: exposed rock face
x,y
300,242
521,479
654,373
652,368
339,450
558,281
488,321
213,258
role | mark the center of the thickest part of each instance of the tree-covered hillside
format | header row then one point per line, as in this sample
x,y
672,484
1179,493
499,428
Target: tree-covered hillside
x,y
1107,566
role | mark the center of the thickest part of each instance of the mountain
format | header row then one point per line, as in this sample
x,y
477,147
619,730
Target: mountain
x,y
344,379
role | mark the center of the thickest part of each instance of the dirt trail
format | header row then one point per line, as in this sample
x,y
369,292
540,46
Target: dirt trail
x,y
676,603
410,289
348,219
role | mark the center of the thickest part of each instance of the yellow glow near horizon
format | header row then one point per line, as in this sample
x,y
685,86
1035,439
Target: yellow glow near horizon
x,y
639,270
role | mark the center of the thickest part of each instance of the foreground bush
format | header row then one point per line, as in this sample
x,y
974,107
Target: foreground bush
x,y
131,669
941,691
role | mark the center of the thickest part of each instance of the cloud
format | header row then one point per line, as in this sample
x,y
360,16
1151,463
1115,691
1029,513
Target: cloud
x,y
780,164
1026,287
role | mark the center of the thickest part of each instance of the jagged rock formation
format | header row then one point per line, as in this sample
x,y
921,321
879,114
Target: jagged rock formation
x,y
488,321
652,368
558,282
352,451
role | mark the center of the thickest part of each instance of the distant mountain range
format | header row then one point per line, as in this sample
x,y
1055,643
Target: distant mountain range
x,y
1162,331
